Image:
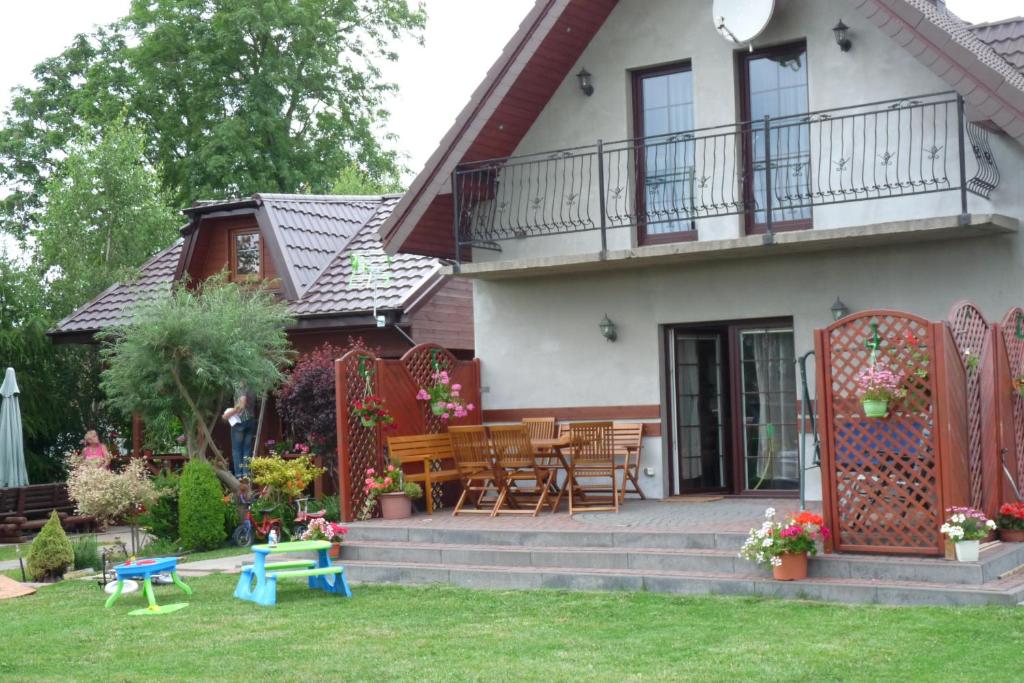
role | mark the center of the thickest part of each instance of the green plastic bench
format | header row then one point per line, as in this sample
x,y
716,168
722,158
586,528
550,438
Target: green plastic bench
x,y
318,571
292,564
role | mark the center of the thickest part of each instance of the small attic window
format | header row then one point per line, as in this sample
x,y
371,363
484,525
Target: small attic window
x,y
246,261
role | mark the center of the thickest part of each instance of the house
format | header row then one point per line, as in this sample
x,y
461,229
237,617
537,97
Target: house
x,y
656,212
322,256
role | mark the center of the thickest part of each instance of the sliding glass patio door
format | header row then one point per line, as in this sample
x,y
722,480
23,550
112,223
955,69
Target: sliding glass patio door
x,y
733,408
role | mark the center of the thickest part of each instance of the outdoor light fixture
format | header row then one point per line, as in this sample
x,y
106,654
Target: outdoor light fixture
x,y
585,85
608,329
842,40
839,310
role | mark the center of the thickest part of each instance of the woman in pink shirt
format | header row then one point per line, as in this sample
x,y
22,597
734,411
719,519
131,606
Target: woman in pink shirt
x,y
94,451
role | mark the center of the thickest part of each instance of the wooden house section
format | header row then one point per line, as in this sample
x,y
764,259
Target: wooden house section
x,y
212,250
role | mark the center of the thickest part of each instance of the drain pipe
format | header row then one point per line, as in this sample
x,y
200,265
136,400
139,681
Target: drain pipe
x,y
412,342
805,412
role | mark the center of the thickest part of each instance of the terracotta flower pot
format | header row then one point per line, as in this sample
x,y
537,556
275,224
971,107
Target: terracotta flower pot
x,y
335,551
1011,535
875,408
395,505
793,567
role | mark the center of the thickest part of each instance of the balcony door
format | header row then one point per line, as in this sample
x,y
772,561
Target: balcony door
x,y
774,84
732,396
663,119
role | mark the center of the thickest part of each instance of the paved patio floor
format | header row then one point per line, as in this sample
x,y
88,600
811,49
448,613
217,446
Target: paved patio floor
x,y
724,514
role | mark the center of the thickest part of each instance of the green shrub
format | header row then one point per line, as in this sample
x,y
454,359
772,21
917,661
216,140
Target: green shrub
x,y
161,517
86,550
200,507
231,517
50,554
160,547
328,503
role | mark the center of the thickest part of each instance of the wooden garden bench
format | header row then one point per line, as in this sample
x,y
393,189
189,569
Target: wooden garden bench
x,y
27,508
425,450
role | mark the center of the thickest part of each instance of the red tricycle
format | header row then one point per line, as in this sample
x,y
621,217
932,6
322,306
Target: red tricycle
x,y
303,516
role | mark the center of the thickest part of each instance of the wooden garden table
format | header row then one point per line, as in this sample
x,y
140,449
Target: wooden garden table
x,y
554,449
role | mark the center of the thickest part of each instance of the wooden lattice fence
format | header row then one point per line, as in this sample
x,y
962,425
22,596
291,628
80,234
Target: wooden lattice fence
x,y
397,382
1011,334
886,482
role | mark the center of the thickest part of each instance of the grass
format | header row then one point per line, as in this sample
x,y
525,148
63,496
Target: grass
x,y
441,633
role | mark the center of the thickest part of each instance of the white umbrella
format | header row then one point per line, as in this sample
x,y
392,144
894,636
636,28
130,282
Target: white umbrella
x,y
12,444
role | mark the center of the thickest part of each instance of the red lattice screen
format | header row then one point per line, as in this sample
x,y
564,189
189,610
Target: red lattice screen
x,y
397,383
887,481
1012,335
971,332
359,447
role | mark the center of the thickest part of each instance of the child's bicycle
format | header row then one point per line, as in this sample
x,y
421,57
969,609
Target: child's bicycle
x,y
250,529
303,517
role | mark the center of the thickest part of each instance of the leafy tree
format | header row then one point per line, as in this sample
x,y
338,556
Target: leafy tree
x,y
183,355
353,181
105,215
234,96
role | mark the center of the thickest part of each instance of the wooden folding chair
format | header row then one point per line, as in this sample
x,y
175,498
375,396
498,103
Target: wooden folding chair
x,y
593,457
540,427
475,463
629,439
517,465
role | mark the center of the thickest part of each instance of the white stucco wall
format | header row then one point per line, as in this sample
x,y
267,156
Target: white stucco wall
x,y
645,33
538,336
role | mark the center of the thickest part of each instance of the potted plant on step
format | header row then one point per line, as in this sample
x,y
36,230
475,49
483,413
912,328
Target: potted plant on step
x,y
878,385
784,546
394,493
1011,522
320,529
966,527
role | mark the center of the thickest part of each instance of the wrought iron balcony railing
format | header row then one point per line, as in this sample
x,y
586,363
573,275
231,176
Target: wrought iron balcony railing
x,y
772,170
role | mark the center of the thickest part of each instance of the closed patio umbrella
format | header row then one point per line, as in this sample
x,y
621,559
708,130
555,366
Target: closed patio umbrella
x,y
12,445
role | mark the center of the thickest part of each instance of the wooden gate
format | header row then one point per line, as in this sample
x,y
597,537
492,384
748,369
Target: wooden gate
x,y
886,482
359,373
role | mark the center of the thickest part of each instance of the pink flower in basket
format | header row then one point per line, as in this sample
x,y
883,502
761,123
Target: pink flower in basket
x,y
879,382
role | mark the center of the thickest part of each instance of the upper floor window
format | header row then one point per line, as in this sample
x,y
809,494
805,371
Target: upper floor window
x,y
246,259
663,111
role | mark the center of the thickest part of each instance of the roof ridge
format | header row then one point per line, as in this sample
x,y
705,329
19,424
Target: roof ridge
x,y
365,198
997,22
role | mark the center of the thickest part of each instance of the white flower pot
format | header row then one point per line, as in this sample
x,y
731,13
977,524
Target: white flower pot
x,y
967,551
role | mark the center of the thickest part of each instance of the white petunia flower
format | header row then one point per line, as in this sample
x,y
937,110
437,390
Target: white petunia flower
x,y
767,542
990,524
776,561
769,513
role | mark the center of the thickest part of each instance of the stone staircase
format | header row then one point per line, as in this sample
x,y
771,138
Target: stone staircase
x,y
664,561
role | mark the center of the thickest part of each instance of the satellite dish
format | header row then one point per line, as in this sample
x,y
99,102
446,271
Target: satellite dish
x,y
740,21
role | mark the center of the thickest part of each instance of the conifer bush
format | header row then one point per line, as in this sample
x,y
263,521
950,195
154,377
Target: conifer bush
x,y
200,507
50,554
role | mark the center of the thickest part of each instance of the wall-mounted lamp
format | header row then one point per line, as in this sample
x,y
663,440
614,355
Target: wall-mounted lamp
x,y
608,329
842,40
839,310
585,84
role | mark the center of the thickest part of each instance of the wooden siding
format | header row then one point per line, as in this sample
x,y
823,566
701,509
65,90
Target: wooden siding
x,y
213,246
446,317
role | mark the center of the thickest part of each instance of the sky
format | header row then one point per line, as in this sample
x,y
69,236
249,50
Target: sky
x,y
463,38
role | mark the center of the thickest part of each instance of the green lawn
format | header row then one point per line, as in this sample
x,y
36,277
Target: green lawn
x,y
390,633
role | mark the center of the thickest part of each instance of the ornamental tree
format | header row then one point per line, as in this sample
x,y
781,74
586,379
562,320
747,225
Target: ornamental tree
x,y
184,354
108,495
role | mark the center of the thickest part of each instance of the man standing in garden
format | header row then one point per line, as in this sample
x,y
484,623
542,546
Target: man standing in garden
x,y
242,418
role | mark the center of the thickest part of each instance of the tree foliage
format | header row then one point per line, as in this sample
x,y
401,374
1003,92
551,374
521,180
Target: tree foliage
x,y
233,96
200,508
105,215
184,354
50,554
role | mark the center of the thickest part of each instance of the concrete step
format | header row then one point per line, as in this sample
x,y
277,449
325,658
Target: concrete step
x,y
1006,592
995,561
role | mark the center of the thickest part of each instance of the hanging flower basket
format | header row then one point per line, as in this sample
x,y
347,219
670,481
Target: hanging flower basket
x,y
445,398
875,408
371,412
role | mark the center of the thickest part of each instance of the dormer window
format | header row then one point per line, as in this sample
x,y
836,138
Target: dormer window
x,y
246,261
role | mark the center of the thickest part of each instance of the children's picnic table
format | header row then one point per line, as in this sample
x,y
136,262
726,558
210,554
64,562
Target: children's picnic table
x,y
258,581
144,569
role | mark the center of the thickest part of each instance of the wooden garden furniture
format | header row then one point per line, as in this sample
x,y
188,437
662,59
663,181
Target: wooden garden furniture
x,y
628,443
474,461
540,427
422,451
593,457
521,475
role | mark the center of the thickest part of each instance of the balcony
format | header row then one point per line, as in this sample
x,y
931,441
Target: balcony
x,y
771,176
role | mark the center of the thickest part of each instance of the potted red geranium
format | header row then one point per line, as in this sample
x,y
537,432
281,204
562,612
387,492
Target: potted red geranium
x,y
394,493
371,412
320,529
784,546
1010,521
